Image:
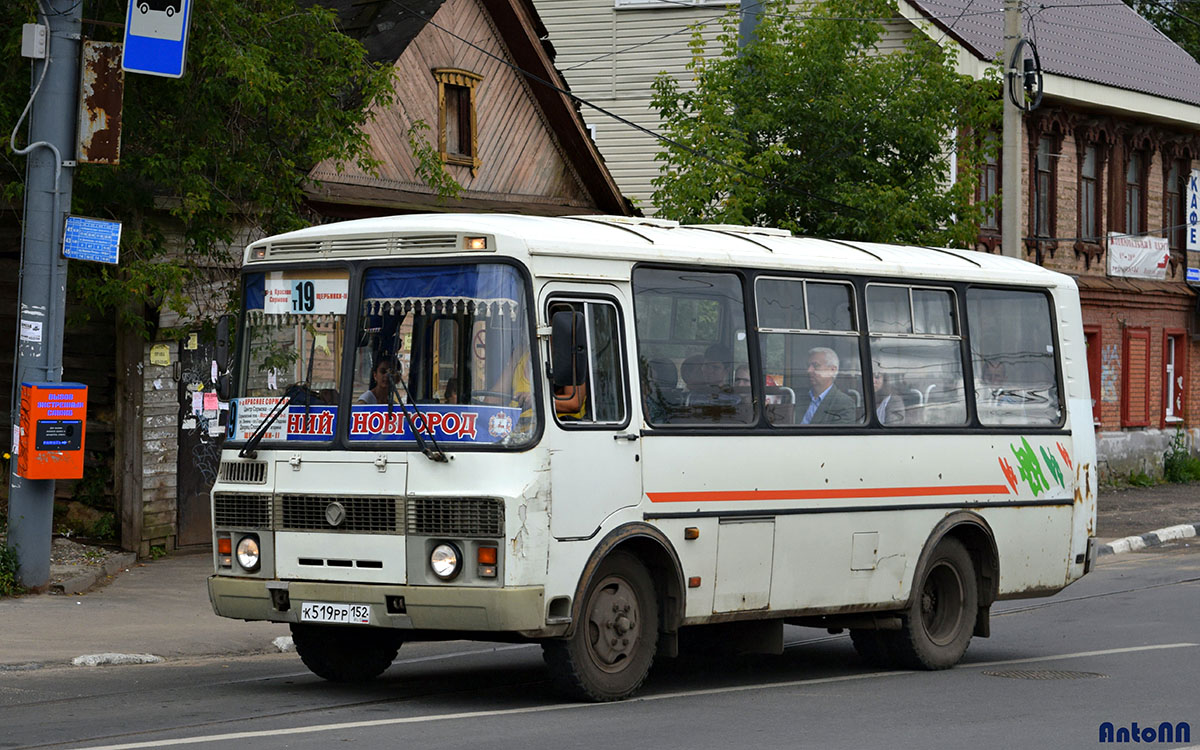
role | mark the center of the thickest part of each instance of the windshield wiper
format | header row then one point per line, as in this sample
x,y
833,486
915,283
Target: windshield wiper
x,y
433,454
248,450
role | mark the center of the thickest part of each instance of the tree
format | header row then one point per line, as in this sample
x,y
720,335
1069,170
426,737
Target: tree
x,y
815,130
1179,21
272,87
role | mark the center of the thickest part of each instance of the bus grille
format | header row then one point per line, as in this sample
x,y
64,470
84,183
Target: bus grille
x,y
372,515
456,516
244,472
241,510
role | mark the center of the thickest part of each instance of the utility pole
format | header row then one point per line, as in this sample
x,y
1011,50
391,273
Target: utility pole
x,y
1010,168
49,171
748,25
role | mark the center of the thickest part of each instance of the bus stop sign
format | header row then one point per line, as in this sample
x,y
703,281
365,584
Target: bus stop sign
x,y
156,37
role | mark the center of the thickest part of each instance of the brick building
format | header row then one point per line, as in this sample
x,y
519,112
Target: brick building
x,y
1107,160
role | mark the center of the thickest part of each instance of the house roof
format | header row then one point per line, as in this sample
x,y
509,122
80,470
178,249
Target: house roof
x,y
383,27
1100,41
387,27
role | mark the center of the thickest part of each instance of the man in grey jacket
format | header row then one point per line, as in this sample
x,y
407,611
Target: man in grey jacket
x,y
827,404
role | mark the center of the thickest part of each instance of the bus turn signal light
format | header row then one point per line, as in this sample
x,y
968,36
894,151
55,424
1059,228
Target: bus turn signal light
x,y
487,555
694,582
691,532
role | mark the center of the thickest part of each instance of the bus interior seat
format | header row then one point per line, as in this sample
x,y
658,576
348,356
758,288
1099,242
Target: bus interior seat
x,y
664,398
780,404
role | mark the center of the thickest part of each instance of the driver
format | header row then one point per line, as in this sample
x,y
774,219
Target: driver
x,y
381,381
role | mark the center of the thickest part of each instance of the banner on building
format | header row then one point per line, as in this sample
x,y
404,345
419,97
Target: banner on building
x,y
1141,257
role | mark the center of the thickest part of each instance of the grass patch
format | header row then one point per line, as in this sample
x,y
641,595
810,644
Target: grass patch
x,y
1179,465
8,572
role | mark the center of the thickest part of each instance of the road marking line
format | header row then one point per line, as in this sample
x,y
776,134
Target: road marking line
x,y
1080,655
566,706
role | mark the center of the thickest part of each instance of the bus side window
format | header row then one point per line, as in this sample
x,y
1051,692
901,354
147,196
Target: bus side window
x,y
595,392
1013,357
691,341
915,344
809,342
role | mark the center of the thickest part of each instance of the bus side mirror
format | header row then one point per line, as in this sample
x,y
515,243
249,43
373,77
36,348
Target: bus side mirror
x,y
221,347
221,356
568,349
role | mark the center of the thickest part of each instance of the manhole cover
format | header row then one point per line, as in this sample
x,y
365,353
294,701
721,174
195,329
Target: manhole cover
x,y
1044,674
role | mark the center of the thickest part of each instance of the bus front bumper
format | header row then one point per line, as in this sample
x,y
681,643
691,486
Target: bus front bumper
x,y
520,608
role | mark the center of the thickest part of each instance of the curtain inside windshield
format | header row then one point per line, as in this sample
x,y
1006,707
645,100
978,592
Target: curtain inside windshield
x,y
454,340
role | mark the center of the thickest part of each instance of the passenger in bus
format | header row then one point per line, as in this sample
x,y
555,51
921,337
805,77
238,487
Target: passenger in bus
x,y
827,404
996,386
570,401
381,381
889,407
715,370
692,372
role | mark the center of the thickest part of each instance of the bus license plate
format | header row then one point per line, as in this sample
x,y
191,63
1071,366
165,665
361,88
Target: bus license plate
x,y
354,614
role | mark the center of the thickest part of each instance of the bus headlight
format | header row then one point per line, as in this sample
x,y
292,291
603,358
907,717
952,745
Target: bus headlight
x,y
247,553
445,561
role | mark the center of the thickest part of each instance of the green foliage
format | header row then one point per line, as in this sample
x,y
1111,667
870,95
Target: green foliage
x,y
8,572
105,529
1179,465
93,490
1179,21
157,552
272,88
813,131
1141,479
429,165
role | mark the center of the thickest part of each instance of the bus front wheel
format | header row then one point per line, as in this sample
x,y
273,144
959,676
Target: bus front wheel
x,y
345,654
609,655
939,621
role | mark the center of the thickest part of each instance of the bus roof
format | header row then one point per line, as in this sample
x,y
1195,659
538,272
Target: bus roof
x,y
631,239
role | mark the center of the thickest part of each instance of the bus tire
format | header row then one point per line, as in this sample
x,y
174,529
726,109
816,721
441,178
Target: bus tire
x,y
343,654
609,655
873,647
936,628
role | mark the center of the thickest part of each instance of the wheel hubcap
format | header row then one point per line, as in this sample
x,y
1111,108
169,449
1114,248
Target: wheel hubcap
x,y
614,624
942,600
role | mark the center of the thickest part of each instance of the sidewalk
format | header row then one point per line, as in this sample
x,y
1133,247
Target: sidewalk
x,y
158,608
162,607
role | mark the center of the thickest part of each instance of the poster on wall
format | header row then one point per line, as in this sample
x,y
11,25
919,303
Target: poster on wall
x,y
1192,230
1141,257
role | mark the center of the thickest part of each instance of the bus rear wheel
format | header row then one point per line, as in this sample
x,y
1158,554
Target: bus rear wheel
x,y
610,653
938,624
345,654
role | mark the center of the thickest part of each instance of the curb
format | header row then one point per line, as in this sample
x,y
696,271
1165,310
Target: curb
x,y
84,581
1150,539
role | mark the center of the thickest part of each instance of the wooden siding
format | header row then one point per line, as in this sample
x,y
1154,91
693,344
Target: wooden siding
x,y
611,56
520,156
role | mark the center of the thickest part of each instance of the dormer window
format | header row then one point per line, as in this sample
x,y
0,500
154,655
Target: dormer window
x,y
458,140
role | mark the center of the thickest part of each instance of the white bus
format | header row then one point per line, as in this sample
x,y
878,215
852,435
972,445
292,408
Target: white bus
x,y
593,432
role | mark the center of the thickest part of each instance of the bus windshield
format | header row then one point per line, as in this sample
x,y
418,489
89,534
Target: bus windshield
x,y
451,340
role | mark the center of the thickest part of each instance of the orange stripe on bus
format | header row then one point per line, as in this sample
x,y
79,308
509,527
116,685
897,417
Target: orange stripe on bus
x,y
831,494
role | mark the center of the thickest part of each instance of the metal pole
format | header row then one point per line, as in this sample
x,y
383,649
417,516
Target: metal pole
x,y
1010,171
748,25
48,178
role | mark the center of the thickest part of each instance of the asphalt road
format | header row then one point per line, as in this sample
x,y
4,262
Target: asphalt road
x,y
1122,645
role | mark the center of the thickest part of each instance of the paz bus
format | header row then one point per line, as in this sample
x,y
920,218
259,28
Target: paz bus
x,y
593,433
